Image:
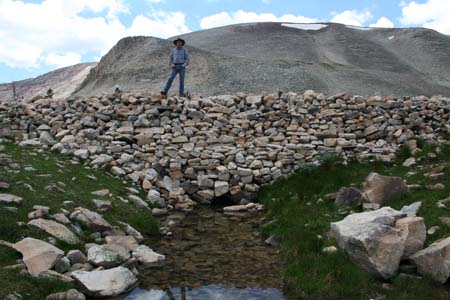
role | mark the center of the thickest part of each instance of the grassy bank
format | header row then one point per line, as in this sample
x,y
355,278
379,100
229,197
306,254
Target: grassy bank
x,y
302,221
30,173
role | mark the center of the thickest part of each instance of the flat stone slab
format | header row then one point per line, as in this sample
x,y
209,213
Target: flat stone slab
x,y
38,255
56,229
89,218
105,283
9,199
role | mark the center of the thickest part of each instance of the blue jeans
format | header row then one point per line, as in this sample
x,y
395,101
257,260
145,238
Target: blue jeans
x,y
178,69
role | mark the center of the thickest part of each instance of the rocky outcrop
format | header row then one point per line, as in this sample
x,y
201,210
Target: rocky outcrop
x,y
186,151
105,283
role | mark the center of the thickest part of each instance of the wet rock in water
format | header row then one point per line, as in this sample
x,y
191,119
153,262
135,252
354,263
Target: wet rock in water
x,y
349,196
434,261
381,189
10,199
107,256
128,242
91,219
372,241
147,257
412,209
416,234
4,185
55,229
69,295
38,255
105,283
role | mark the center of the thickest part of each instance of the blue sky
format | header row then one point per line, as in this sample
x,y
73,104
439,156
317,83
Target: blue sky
x,y
43,35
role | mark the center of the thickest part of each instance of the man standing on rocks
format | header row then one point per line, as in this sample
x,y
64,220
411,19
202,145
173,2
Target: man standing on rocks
x,y
178,60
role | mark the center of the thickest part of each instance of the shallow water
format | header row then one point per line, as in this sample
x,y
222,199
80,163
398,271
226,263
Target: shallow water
x,y
210,256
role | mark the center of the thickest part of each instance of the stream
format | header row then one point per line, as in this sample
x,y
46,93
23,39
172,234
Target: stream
x,y
210,256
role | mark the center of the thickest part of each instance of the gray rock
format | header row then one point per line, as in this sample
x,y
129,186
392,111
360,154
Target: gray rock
x,y
371,240
382,189
76,257
62,265
412,209
9,199
47,139
56,229
349,196
102,159
38,255
147,257
416,234
434,261
107,256
155,198
138,202
69,295
89,218
105,283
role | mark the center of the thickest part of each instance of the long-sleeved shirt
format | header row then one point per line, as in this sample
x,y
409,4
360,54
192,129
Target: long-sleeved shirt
x,y
179,56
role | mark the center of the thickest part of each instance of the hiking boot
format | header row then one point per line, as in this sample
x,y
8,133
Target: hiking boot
x,y
164,94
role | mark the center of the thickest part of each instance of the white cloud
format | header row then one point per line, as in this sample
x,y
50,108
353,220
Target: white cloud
x,y
433,14
240,16
352,17
53,32
383,22
68,59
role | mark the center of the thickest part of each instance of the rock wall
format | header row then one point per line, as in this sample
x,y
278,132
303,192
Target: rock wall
x,y
195,150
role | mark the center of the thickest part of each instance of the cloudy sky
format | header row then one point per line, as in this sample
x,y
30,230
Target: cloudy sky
x,y
38,36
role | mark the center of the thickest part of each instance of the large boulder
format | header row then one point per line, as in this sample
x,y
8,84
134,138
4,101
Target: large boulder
x,y
89,218
56,229
38,255
372,241
434,261
105,283
382,189
107,256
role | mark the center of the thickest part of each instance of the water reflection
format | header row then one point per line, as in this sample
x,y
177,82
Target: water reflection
x,y
209,292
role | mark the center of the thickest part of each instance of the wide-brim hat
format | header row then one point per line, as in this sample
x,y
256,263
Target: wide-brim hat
x,y
183,42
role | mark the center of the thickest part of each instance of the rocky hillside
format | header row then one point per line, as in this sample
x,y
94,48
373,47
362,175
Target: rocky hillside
x,y
330,58
63,82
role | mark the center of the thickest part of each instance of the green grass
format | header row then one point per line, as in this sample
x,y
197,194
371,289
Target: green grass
x,y
301,216
51,168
